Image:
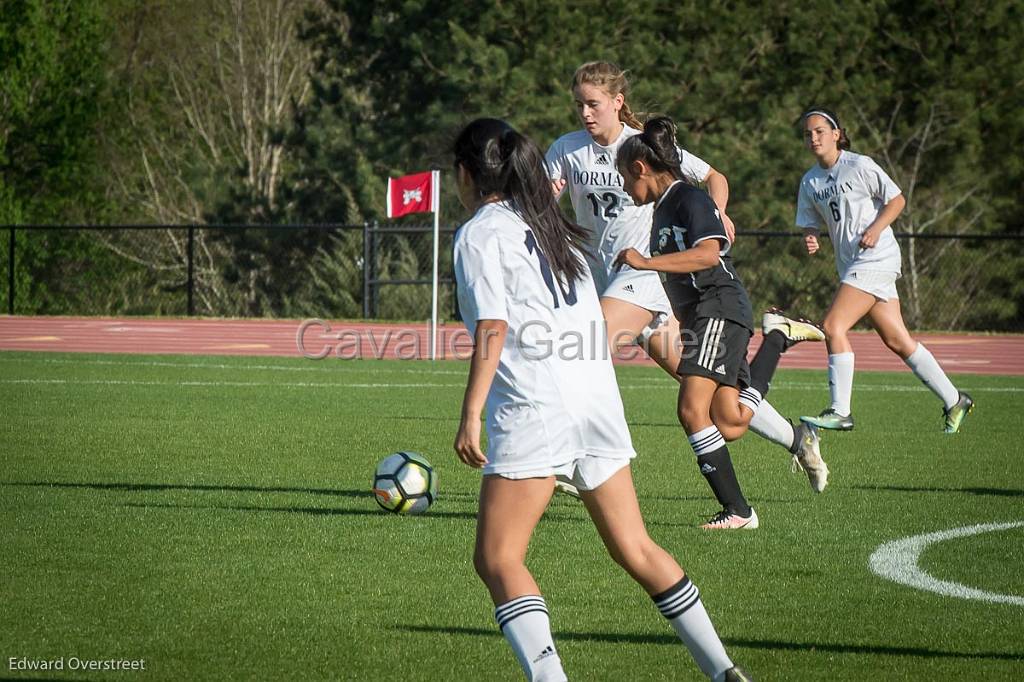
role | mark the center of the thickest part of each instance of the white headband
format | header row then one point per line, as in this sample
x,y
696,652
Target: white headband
x,y
823,115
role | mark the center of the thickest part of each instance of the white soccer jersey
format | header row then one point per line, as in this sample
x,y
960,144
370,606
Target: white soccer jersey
x,y
595,188
846,199
554,397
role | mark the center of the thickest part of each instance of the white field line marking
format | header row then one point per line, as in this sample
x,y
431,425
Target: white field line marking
x,y
341,384
641,384
897,561
325,367
286,384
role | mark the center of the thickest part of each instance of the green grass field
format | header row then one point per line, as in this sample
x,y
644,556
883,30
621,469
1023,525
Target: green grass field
x,y
212,516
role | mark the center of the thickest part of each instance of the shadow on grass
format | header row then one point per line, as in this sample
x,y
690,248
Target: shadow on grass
x,y
767,644
997,492
158,487
358,494
310,511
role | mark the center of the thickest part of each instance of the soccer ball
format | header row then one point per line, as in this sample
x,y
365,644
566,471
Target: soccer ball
x,y
405,483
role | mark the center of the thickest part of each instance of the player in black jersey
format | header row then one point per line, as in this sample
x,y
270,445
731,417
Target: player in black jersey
x,y
719,392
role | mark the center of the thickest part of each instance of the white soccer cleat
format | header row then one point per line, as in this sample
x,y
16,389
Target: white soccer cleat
x,y
566,489
795,330
727,520
807,457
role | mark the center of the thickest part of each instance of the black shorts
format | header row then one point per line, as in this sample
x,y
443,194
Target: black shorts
x,y
715,348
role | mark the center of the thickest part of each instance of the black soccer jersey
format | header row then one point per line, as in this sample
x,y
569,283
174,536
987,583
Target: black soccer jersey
x,y
684,216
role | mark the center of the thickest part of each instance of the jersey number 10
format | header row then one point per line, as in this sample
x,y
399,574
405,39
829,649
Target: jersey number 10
x,y
549,277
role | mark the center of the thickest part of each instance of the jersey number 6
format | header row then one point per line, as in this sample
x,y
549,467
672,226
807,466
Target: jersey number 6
x,y
549,277
835,211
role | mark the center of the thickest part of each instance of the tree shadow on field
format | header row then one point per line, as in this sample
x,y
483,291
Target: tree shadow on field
x,y
767,644
310,511
201,487
997,492
434,513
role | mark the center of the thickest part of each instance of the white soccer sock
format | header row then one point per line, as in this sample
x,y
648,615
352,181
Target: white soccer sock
x,y
769,424
927,369
840,381
524,622
681,605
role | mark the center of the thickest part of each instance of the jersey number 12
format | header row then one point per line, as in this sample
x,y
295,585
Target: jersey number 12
x,y
611,209
549,277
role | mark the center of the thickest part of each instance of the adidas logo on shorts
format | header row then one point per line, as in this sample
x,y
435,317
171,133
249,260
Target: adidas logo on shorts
x,y
720,369
629,288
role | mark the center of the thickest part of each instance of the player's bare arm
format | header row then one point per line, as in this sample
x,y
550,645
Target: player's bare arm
x,y
885,218
701,257
488,342
811,235
718,188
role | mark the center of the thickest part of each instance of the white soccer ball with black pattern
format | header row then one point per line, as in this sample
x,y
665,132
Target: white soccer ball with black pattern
x,y
405,483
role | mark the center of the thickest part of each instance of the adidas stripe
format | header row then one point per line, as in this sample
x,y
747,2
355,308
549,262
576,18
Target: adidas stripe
x,y
511,610
677,599
709,347
706,441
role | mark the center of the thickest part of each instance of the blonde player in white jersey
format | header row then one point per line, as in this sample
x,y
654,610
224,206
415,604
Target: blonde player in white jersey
x,y
540,367
856,201
634,303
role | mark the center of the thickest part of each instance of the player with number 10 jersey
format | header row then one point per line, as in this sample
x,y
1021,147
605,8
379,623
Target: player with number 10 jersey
x,y
555,354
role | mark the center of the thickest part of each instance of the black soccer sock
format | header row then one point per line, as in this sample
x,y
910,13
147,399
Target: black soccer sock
x,y
716,467
762,367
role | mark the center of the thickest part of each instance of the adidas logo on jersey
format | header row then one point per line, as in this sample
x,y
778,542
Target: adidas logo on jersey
x,y
629,288
720,369
706,468
602,160
831,179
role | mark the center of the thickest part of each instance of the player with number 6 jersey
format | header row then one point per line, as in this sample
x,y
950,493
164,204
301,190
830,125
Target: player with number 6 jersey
x,y
542,370
851,196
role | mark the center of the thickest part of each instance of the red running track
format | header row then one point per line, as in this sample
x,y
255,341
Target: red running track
x,y
988,354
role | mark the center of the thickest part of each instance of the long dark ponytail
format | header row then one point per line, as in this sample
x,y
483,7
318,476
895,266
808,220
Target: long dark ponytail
x,y
656,147
502,161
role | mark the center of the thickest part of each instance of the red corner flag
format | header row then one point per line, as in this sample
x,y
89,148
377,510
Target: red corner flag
x,y
412,194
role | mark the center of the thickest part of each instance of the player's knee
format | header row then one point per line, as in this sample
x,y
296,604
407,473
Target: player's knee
x,y
692,417
491,565
634,555
834,329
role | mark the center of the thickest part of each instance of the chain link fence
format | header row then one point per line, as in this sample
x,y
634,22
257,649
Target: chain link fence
x,y
370,271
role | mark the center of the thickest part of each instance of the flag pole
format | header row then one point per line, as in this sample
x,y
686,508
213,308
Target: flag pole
x,y
435,188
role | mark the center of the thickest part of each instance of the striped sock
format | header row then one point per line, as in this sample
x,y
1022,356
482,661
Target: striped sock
x,y
750,397
525,623
681,605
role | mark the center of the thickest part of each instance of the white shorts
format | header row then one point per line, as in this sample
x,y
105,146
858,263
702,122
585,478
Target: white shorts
x,y
640,287
879,283
586,473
